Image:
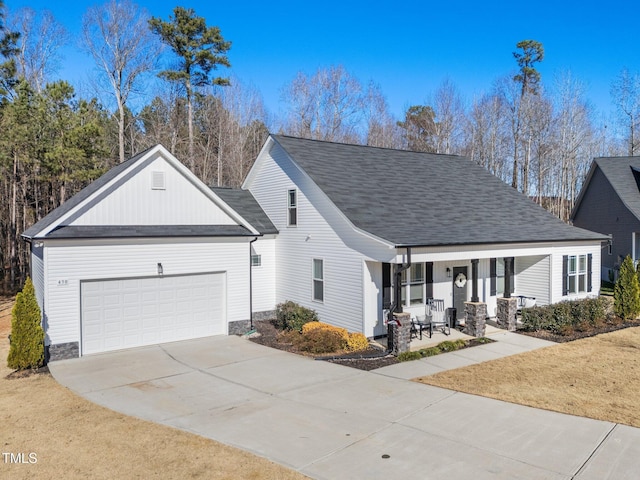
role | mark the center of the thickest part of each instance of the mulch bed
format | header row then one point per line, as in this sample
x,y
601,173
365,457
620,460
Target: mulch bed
x,y
28,373
369,359
576,335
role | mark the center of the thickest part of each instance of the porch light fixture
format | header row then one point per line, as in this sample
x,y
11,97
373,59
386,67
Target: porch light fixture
x,y
160,270
448,272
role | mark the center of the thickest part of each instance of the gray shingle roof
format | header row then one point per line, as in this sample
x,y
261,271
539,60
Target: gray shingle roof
x,y
128,231
619,172
243,202
412,199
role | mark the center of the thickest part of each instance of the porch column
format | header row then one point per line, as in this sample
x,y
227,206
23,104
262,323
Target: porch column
x,y
507,277
474,279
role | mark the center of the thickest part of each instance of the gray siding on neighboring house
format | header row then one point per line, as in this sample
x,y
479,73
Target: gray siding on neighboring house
x,y
601,210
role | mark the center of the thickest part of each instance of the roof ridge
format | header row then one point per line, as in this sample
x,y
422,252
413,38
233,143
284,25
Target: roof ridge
x,y
280,135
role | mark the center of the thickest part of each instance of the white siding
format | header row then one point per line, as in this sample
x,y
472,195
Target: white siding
x,y
134,202
313,237
532,278
372,302
69,262
264,286
37,272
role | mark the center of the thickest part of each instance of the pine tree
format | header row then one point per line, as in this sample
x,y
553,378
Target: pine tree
x,y
27,335
626,293
200,50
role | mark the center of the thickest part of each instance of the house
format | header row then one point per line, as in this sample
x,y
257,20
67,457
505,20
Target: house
x,y
149,254
347,213
609,203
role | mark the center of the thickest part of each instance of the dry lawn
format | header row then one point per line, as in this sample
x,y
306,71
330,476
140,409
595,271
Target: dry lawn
x,y
597,377
74,438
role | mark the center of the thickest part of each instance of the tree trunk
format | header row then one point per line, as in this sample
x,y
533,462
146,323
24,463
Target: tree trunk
x,y
190,124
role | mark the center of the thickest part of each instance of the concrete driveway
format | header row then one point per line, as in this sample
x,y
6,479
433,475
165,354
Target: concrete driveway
x,y
334,422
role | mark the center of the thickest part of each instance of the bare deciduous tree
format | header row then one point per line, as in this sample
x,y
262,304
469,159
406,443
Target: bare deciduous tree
x,y
625,92
41,37
117,36
382,127
327,106
450,117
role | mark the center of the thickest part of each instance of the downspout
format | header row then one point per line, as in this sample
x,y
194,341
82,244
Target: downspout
x,y
396,306
251,287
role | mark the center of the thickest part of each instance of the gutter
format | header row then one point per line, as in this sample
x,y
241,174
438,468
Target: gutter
x,y
251,287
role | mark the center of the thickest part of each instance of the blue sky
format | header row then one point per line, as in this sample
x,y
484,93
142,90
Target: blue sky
x,y
409,47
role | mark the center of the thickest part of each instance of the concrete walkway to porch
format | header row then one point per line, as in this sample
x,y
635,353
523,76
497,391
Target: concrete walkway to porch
x,y
506,343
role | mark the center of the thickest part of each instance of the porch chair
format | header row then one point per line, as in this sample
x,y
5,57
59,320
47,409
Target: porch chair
x,y
421,322
438,320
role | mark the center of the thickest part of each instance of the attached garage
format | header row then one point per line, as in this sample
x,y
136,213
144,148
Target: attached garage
x,y
134,312
146,254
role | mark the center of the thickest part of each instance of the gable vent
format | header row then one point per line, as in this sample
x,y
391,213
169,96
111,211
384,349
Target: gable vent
x,y
157,181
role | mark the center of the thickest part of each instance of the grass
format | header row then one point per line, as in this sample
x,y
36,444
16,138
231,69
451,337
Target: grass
x,y
74,438
596,377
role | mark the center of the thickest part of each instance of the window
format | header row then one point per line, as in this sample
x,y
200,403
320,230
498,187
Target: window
x,y
576,274
256,260
414,288
318,280
292,210
497,272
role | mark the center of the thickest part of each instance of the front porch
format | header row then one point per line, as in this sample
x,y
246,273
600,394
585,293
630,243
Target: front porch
x,y
455,281
439,337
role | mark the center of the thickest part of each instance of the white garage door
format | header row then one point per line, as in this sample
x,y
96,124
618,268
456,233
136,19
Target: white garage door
x,y
133,312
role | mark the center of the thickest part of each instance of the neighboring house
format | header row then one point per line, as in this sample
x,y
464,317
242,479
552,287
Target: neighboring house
x,y
609,203
149,254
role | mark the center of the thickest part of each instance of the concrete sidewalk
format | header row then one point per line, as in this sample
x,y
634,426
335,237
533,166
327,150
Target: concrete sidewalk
x,y
506,343
333,422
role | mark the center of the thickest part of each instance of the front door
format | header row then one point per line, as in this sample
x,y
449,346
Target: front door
x,y
459,289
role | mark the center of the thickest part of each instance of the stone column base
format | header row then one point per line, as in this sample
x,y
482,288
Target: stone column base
x,y
475,314
400,333
506,313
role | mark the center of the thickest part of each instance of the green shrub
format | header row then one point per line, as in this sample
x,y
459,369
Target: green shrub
x,y
626,292
451,345
407,356
483,340
429,352
566,317
27,337
291,316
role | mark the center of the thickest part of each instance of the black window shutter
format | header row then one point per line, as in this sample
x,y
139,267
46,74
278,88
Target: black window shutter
x,y
429,279
386,286
589,263
565,279
492,274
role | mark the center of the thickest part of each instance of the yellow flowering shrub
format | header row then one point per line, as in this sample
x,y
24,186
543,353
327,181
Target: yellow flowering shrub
x,y
357,342
318,337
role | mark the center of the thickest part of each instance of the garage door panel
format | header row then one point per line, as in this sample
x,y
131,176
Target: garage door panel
x,y
134,312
